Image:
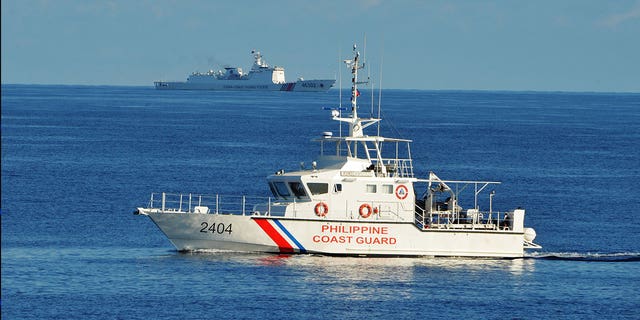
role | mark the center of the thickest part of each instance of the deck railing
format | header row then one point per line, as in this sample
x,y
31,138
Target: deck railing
x,y
470,219
400,168
205,203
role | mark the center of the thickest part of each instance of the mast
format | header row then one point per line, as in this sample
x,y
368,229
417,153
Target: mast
x,y
398,165
356,124
258,62
355,65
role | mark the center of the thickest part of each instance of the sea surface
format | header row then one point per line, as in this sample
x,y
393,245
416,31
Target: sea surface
x,y
78,160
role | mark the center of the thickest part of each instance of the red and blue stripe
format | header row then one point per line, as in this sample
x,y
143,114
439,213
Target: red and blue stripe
x,y
285,241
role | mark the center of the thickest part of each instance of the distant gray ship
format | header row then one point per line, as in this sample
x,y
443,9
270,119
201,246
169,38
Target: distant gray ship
x,y
261,77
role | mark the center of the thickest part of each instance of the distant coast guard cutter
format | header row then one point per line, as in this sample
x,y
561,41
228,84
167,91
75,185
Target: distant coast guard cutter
x,y
261,77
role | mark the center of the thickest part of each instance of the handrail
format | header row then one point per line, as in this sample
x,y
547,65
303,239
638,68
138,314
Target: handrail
x,y
191,203
390,211
424,219
448,219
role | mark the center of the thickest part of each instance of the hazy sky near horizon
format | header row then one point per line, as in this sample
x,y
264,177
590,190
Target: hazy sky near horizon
x,y
545,45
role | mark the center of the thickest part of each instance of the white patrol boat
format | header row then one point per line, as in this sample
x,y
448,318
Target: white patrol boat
x,y
354,200
261,77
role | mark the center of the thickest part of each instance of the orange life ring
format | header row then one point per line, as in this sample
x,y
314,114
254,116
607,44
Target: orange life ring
x,y
365,210
321,209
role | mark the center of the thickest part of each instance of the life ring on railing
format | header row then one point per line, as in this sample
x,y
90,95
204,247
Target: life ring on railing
x,y
365,210
321,209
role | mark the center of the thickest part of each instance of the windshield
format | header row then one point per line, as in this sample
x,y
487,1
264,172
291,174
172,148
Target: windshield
x,y
281,189
298,189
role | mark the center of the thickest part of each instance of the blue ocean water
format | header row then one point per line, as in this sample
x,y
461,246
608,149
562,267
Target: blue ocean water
x,y
77,160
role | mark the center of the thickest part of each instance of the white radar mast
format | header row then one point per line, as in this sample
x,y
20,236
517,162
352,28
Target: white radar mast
x,y
356,125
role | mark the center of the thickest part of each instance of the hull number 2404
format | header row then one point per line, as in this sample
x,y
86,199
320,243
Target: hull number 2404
x,y
218,228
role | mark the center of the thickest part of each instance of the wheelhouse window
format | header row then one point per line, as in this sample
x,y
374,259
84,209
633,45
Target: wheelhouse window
x,y
371,188
298,189
337,187
273,190
318,188
281,189
387,188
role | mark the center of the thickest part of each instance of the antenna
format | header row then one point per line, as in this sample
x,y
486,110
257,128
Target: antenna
x,y
364,62
380,85
340,89
340,77
379,93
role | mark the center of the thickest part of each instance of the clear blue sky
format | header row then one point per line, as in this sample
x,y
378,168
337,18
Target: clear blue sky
x,y
555,45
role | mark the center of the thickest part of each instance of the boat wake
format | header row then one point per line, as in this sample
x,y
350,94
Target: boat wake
x,y
587,256
209,251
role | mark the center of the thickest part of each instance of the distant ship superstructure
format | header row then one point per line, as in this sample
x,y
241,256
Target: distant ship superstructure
x,y
261,77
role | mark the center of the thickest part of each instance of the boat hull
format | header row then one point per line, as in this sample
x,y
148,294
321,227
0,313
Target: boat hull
x,y
246,85
194,231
